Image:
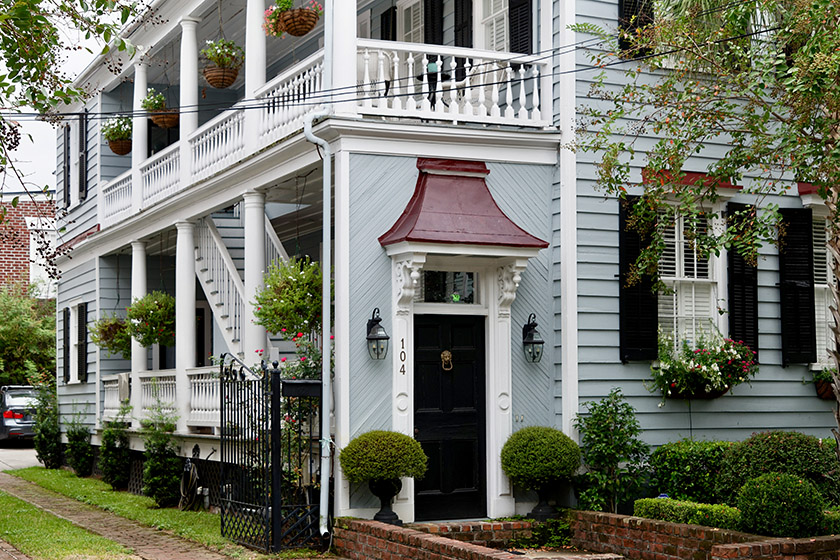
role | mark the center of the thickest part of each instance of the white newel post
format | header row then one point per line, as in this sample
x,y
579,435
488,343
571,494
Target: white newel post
x,y
184,318
189,94
253,335
255,61
139,355
139,133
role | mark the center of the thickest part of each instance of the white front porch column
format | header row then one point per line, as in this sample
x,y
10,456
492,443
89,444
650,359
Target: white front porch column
x,y
254,48
340,39
253,335
139,134
139,354
189,94
184,317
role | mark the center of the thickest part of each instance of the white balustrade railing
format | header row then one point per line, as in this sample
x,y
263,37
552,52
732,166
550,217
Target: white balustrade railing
x,y
288,98
218,144
157,388
160,175
111,394
116,199
224,289
274,251
450,83
204,397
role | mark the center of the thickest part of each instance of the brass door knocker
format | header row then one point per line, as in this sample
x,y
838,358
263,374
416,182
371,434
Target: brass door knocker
x,y
446,360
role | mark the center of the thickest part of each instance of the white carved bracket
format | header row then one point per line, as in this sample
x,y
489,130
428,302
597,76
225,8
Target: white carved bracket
x,y
509,277
407,269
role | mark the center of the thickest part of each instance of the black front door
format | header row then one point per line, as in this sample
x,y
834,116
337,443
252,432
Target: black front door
x,y
449,416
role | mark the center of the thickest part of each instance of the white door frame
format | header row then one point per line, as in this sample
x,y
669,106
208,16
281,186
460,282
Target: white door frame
x,y
499,270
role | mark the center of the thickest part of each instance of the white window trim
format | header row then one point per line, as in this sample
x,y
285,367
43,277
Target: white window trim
x,y
481,31
402,6
363,25
74,342
45,286
822,298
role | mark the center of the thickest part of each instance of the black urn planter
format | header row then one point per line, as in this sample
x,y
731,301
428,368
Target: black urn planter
x,y
542,511
385,489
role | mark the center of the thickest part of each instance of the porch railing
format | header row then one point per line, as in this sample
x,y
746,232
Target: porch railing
x,y
274,251
160,175
450,83
157,388
204,397
218,144
288,98
116,200
111,397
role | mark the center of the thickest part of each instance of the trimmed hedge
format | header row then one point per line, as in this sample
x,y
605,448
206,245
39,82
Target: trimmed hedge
x,y
831,522
675,511
688,470
537,456
791,453
780,505
381,454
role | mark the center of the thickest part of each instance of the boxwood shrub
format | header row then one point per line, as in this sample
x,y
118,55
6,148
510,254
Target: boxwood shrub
x,y
381,454
688,469
537,456
831,522
781,505
675,511
791,453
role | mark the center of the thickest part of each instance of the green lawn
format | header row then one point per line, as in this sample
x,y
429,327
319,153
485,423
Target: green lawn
x,y
46,537
202,527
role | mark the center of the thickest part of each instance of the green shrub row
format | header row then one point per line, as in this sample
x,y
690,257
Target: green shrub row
x,y
676,511
688,469
780,505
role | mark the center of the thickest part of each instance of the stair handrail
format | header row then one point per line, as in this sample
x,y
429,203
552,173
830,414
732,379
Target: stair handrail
x,y
229,266
274,249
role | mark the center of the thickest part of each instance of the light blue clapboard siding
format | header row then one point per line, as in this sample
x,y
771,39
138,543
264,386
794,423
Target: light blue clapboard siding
x,y
112,165
78,284
114,298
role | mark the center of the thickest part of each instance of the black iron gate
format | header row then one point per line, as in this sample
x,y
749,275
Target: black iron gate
x,y
270,457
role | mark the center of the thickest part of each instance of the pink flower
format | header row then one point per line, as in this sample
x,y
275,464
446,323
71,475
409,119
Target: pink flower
x,y
303,359
332,336
282,359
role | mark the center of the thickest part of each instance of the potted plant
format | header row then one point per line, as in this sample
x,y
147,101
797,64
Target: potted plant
x,y
381,458
111,334
282,17
537,458
290,301
155,103
706,372
822,383
151,319
225,58
117,131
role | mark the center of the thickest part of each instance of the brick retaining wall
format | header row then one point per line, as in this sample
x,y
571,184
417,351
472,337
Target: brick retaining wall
x,y
648,539
371,540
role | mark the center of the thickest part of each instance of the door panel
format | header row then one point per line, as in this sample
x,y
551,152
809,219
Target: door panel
x,y
449,416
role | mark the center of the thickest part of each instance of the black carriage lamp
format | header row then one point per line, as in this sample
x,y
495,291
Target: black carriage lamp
x,y
377,338
532,342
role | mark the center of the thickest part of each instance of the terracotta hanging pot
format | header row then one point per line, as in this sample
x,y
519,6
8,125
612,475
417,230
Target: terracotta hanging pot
x,y
120,147
220,78
165,119
824,390
299,21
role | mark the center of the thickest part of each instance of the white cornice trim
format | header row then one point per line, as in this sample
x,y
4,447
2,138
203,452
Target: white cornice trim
x,y
461,249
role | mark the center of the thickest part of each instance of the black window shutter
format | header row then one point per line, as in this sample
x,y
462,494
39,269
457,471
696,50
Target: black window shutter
x,y
743,293
433,22
388,24
632,15
463,23
521,26
83,149
637,304
82,348
796,286
66,343
65,165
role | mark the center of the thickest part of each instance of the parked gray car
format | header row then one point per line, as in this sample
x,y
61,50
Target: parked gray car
x,y
17,412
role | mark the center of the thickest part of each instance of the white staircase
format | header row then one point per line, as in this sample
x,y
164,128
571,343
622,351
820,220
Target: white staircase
x,y
220,269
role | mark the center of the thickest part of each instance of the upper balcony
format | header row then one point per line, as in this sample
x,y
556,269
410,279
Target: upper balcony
x,y
396,76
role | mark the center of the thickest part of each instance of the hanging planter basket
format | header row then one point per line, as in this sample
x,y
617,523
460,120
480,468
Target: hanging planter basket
x,y
220,78
698,395
165,118
299,21
824,390
120,147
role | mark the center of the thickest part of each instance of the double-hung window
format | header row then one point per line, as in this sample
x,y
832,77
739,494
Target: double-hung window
x,y
823,278
75,343
687,308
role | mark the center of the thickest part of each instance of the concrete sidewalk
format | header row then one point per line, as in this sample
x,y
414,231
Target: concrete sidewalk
x,y
147,543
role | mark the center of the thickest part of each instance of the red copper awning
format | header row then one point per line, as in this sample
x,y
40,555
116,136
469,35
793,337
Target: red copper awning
x,y
451,204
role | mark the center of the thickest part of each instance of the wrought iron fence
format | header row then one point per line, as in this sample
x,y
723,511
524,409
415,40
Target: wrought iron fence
x,y
270,439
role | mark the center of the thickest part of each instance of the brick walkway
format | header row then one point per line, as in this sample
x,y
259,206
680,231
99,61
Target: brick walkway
x,y
147,543
8,552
